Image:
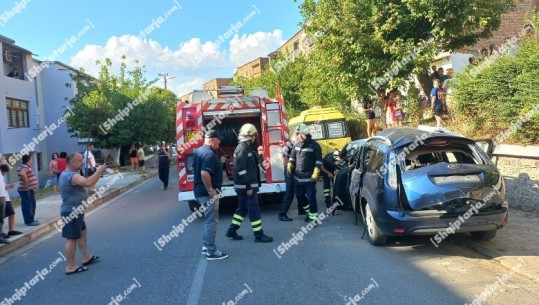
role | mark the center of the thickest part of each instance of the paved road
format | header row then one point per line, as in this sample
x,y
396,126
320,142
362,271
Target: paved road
x,y
331,264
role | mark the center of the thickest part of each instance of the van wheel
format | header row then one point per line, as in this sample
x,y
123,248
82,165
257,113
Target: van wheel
x,y
193,205
375,236
484,235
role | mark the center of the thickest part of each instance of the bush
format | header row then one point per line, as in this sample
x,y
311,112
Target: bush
x,y
491,97
357,127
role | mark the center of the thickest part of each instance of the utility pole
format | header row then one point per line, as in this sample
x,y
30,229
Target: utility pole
x,y
166,78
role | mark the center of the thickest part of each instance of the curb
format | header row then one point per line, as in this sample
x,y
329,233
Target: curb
x,y
50,226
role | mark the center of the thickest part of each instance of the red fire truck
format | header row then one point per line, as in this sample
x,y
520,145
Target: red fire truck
x,y
227,113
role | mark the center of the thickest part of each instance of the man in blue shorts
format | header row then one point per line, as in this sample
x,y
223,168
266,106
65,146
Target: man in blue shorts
x,y
74,195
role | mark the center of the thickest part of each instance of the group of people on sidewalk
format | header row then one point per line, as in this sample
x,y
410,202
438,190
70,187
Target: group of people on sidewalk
x,y
26,188
138,156
302,159
392,111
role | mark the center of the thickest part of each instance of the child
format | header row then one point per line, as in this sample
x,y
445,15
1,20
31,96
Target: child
x,y
10,212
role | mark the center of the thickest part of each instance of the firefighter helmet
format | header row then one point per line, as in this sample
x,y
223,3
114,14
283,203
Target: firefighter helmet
x,y
303,129
246,132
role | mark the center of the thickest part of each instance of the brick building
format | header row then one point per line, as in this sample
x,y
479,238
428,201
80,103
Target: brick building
x,y
511,25
253,68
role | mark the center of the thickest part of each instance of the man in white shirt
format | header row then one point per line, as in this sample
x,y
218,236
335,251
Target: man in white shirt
x,y
89,164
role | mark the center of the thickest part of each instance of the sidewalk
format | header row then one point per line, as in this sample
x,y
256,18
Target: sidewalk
x,y
516,246
48,208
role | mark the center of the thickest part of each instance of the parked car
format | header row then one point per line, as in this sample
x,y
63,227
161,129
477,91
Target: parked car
x,y
409,181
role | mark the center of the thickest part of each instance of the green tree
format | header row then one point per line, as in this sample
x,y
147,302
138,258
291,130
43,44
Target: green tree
x,y
359,41
115,110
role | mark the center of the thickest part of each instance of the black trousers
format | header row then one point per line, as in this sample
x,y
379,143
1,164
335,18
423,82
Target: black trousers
x,y
163,175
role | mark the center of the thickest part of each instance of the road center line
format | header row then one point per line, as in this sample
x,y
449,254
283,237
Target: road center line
x,y
198,280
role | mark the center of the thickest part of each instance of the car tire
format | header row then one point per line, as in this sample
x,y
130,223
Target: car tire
x,y
193,205
484,235
375,236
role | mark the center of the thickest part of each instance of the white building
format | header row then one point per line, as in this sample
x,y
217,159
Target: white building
x,y
20,113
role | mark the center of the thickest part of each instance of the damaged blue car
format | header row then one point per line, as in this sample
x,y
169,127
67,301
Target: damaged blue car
x,y
428,181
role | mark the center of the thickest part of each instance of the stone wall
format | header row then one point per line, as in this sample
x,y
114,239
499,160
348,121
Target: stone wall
x,y
520,167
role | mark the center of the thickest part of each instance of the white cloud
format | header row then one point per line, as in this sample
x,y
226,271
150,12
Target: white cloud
x,y
192,63
249,47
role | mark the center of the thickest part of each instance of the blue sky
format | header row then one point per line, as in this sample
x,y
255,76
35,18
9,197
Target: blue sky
x,y
189,40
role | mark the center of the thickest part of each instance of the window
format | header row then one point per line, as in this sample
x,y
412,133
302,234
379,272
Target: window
x,y
336,130
17,113
39,161
374,160
317,132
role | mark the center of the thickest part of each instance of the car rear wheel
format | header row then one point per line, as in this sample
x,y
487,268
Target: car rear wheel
x,y
375,236
193,205
484,235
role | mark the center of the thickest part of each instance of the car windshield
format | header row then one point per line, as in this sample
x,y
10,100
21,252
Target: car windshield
x,y
426,155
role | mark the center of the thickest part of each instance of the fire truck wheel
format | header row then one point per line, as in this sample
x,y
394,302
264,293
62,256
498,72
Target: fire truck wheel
x,y
193,205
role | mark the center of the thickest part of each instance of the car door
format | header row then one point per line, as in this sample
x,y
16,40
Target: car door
x,y
355,177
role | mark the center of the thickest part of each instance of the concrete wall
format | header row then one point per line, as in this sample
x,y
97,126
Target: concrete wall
x,y
520,167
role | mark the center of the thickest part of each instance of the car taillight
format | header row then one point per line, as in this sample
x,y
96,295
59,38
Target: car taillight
x,y
392,171
399,230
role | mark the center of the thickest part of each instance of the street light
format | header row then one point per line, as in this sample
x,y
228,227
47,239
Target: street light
x,y
166,78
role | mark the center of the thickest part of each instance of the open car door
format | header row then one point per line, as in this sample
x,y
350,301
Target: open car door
x,y
487,145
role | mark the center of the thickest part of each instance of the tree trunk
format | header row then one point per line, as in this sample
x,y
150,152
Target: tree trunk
x,y
426,83
115,152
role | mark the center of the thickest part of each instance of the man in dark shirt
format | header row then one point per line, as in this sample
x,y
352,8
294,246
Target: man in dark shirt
x,y
208,179
163,157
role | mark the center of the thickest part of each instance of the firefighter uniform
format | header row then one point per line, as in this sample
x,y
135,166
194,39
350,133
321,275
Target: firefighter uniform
x,y
328,163
305,161
247,177
290,185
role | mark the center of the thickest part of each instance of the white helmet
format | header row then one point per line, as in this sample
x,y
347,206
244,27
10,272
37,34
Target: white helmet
x,y
303,129
246,132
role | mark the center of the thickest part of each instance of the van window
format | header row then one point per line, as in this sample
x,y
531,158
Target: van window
x,y
317,132
336,130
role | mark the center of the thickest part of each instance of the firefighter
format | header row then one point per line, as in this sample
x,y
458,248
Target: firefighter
x,y
328,171
289,180
246,184
304,164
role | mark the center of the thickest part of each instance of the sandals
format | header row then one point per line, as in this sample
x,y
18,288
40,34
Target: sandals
x,y
78,270
92,260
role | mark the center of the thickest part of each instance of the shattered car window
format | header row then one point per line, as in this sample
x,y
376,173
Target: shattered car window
x,y
424,156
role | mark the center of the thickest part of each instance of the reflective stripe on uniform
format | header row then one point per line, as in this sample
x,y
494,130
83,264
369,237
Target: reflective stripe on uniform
x,y
242,187
243,172
307,208
237,219
256,225
304,149
303,180
318,163
313,216
327,192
